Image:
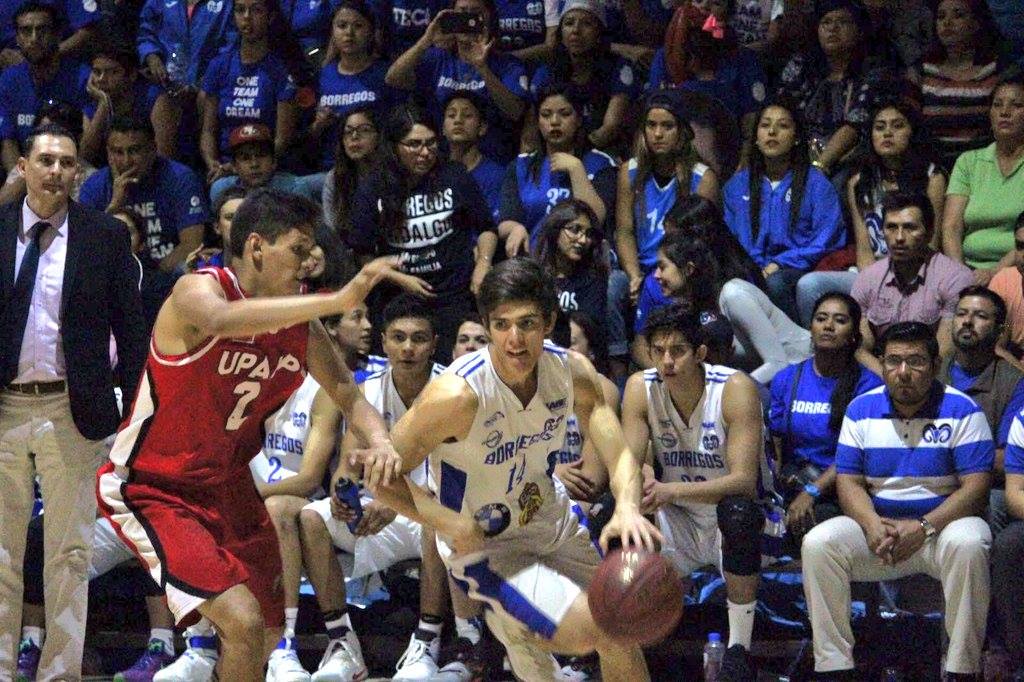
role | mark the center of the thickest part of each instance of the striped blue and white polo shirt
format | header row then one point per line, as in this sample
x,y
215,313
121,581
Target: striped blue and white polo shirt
x,y
1014,453
912,465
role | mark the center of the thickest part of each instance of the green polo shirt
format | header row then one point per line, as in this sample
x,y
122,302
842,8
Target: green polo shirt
x,y
993,204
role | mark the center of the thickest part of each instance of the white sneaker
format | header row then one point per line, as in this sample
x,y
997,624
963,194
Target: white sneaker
x,y
284,666
195,665
456,671
418,662
342,662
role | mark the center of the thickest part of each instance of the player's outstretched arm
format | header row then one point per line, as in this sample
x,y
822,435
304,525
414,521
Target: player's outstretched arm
x,y
381,463
598,423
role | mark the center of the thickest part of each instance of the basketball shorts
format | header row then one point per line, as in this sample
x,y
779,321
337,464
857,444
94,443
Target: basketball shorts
x,y
529,584
397,541
197,544
693,540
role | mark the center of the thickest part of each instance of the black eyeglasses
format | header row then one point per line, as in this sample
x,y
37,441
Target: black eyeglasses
x,y
420,145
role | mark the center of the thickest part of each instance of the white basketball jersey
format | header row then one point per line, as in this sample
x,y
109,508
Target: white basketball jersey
x,y
572,448
690,449
285,436
501,474
380,391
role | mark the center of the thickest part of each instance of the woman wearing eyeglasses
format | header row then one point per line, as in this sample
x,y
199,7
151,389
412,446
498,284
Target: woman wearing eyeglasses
x,y
355,154
430,212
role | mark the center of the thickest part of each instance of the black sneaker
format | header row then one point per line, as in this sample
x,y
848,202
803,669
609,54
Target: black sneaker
x,y
736,665
466,662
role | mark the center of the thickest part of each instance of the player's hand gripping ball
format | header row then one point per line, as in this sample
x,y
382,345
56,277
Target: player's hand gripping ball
x,y
636,597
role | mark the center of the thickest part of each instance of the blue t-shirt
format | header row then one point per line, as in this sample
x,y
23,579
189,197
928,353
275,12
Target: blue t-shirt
x,y
169,198
144,97
739,82
649,218
78,13
342,93
962,380
489,174
439,73
650,299
528,200
308,20
912,465
404,21
801,418
21,97
596,94
520,23
246,93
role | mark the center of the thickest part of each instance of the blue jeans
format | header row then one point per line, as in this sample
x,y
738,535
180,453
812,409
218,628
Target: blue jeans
x,y
618,303
782,290
813,285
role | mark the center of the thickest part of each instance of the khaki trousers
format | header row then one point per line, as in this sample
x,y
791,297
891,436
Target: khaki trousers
x,y
836,552
38,436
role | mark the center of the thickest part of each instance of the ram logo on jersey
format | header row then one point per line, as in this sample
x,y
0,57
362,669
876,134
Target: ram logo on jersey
x,y
234,362
299,419
710,441
689,458
501,453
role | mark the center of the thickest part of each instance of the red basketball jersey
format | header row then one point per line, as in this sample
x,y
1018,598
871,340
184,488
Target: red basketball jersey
x,y
197,418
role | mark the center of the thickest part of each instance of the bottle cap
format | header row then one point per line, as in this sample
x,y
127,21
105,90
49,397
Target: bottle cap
x,y
714,637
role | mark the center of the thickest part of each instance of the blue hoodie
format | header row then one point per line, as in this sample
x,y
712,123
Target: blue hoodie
x,y
819,229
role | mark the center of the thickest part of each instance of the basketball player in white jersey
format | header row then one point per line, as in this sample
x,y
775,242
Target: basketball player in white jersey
x,y
504,530
705,428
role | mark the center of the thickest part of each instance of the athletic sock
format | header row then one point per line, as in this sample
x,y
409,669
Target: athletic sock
x,y
741,623
468,628
203,628
337,623
34,634
429,628
291,616
165,636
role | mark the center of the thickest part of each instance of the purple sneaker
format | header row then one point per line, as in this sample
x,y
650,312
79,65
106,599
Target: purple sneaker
x,y
28,661
155,657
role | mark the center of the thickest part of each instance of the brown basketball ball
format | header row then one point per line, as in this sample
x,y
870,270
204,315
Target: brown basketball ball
x,y
636,597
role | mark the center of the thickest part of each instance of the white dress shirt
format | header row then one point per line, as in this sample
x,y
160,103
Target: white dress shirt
x,y
42,350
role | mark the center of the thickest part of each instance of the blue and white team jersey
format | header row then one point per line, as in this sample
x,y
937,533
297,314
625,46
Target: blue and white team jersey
x,y
380,391
649,217
912,465
501,474
373,364
285,437
572,448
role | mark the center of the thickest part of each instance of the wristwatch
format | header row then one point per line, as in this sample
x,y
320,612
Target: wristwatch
x,y
812,490
929,529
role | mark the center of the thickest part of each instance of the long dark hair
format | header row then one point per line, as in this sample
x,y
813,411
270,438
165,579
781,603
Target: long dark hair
x,y
397,181
682,249
346,172
912,175
563,213
601,58
849,376
361,8
580,145
683,159
985,39
284,45
799,166
700,218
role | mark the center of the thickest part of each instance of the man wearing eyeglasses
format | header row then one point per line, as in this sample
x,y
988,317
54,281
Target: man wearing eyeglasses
x,y
913,472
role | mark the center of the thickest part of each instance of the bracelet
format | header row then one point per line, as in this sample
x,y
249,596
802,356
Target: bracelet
x,y
812,490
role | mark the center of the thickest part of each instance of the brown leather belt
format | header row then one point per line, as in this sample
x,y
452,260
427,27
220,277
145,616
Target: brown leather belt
x,y
39,387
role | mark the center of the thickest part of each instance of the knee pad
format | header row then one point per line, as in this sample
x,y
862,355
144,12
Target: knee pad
x,y
741,522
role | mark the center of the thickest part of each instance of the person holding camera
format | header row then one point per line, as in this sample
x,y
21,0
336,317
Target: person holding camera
x,y
456,53
808,402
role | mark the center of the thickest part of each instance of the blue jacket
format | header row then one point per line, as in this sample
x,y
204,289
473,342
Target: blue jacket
x,y
819,229
188,45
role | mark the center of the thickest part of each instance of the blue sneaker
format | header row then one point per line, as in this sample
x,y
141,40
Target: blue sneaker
x,y
155,657
28,661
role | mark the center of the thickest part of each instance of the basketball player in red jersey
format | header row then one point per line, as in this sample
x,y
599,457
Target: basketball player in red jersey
x,y
229,347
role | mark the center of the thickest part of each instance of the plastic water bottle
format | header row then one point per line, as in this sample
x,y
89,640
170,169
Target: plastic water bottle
x,y
347,492
714,652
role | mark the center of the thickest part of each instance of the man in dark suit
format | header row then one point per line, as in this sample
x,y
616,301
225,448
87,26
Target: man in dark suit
x,y
66,282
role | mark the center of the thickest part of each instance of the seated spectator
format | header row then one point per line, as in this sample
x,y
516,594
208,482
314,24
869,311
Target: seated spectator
x,y
80,27
465,125
583,62
830,84
429,211
1009,284
356,152
572,249
957,76
564,166
914,283
403,22
177,47
166,193
154,284
986,189
690,272
352,78
309,23
247,83
714,64
665,168
913,470
217,239
116,90
251,146
1008,555
43,77
784,212
808,402
439,64
755,22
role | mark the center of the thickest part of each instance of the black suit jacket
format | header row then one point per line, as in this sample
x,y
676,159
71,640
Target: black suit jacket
x,y
99,295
